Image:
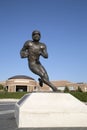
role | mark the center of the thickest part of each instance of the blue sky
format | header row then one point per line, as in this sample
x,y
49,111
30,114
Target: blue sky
x,y
63,26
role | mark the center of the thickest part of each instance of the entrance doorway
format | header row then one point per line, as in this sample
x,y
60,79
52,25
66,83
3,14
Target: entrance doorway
x,y
20,88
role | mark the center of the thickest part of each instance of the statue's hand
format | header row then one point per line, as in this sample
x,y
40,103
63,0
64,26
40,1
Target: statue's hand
x,y
24,54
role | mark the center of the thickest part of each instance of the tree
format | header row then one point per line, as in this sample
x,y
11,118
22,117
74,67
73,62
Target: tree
x,y
1,86
79,89
66,90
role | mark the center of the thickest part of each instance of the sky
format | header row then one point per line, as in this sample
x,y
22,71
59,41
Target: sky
x,y
63,27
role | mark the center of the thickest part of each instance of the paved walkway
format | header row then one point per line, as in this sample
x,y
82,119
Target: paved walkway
x,y
7,119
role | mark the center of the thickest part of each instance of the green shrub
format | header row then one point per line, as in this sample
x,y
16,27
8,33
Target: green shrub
x,y
66,90
82,96
1,86
79,89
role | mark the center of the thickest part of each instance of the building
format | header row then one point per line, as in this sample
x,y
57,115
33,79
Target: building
x,y
72,86
20,83
61,84
24,83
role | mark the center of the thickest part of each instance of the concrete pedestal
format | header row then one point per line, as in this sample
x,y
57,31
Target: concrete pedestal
x,y
50,110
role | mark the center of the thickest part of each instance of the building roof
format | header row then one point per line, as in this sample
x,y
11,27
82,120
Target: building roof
x,y
20,77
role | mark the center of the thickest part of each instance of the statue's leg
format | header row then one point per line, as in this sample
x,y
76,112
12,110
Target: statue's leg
x,y
46,81
40,70
45,78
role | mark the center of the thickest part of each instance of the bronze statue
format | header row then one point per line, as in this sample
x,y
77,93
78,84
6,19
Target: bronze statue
x,y
32,50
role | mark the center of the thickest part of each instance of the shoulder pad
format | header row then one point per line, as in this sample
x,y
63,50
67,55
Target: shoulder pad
x,y
29,42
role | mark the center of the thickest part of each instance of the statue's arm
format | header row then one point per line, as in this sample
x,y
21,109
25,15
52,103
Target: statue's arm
x,y
44,51
24,50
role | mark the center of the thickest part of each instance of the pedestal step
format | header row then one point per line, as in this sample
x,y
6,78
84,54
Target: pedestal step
x,y
50,110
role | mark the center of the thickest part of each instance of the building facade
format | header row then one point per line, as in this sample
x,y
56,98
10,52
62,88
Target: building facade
x,y
24,83
20,83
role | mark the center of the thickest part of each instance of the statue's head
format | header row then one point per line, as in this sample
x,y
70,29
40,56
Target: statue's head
x,y
36,35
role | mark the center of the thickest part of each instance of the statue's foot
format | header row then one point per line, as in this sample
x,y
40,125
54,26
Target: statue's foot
x,y
55,89
40,82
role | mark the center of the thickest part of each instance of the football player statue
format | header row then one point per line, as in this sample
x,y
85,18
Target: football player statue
x,y
32,50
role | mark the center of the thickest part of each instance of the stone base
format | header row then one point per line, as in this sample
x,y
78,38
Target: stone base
x,y
50,110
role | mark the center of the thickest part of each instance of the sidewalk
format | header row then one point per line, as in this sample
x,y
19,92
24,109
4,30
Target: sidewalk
x,y
9,100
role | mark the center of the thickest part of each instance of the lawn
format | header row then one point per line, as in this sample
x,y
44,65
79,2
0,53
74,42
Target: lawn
x,y
14,95
17,95
82,96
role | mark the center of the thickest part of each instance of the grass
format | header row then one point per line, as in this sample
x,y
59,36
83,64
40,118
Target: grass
x,y
14,95
82,96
